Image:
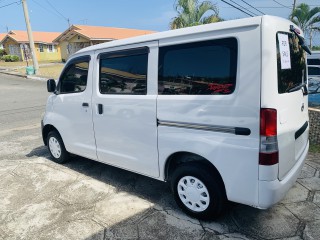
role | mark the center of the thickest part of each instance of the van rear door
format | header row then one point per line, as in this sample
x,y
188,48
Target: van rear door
x,y
293,96
284,75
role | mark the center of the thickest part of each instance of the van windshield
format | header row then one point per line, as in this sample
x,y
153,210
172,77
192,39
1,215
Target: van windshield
x,y
293,72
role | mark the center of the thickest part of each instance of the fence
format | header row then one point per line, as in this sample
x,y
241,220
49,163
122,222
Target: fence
x,y
314,117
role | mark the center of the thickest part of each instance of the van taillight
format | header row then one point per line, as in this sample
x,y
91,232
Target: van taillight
x,y
269,154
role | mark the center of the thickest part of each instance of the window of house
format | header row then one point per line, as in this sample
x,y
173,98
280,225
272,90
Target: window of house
x,y
41,47
199,68
124,72
50,48
74,77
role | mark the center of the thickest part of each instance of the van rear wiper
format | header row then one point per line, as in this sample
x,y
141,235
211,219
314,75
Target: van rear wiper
x,y
297,87
301,40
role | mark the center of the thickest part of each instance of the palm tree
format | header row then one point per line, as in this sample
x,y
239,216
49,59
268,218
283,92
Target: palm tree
x,y
192,13
308,20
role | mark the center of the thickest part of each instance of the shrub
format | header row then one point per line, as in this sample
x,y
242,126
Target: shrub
x,y
2,52
6,58
14,58
10,58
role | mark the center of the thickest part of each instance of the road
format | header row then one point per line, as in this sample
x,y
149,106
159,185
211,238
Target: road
x,y
83,199
22,101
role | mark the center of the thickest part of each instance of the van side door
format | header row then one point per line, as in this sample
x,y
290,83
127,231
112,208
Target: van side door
x,y
72,112
124,98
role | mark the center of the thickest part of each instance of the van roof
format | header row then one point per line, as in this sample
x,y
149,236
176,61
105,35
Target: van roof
x,y
244,22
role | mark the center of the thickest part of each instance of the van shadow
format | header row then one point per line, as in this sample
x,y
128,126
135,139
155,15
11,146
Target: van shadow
x,y
148,188
157,192
153,220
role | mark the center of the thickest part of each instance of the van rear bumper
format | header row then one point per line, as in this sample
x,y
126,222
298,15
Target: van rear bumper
x,y
271,192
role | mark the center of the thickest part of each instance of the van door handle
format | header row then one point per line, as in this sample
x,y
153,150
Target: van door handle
x,y
100,108
85,104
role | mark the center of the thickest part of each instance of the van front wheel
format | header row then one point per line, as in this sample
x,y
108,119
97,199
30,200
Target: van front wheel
x,y
56,147
197,191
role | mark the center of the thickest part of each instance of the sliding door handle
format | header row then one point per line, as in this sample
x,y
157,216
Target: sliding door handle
x,y
85,104
100,108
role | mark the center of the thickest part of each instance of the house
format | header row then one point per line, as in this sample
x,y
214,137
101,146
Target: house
x,y
80,36
17,43
2,35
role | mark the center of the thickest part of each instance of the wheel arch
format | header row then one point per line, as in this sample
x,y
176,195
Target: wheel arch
x,y
45,131
175,159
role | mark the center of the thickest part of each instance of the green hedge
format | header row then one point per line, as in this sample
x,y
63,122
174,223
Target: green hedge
x,y
2,52
10,58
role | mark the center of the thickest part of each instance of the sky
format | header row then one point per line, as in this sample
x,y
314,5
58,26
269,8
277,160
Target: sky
x,y
53,15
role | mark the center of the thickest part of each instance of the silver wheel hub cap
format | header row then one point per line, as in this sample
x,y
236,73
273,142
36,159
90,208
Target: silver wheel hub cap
x,y
193,193
54,147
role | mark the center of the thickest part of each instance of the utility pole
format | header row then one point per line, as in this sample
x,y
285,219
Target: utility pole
x,y
294,5
30,36
293,8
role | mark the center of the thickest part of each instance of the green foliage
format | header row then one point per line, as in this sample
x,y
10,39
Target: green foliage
x,y
2,52
315,48
307,19
14,58
314,148
192,13
10,58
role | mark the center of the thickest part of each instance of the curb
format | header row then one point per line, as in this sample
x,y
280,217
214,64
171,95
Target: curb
x,y
36,78
14,74
25,76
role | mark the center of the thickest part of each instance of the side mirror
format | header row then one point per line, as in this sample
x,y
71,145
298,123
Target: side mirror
x,y
51,85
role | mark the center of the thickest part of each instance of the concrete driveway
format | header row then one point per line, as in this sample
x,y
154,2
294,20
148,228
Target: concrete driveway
x,y
83,199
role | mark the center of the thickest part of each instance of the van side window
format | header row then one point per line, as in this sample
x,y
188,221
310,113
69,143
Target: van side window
x,y
124,72
74,78
200,68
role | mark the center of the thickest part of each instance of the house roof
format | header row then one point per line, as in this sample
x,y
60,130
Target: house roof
x,y
2,36
100,33
38,37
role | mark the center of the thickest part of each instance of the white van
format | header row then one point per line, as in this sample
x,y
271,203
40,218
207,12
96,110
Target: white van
x,y
220,111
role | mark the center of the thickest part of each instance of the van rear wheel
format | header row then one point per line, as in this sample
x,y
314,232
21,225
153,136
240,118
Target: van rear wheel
x,y
56,147
197,191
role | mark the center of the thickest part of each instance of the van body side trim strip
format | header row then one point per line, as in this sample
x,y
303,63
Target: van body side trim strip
x,y
213,128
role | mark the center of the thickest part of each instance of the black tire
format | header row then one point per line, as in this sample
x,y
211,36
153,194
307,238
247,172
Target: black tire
x,y
59,154
214,205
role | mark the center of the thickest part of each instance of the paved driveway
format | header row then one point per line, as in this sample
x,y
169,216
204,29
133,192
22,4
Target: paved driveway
x,y
83,199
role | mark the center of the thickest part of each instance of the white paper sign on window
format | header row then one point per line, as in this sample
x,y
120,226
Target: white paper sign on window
x,y
284,51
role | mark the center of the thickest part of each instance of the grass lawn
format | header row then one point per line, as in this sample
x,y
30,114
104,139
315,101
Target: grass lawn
x,y
12,64
314,148
52,71
20,64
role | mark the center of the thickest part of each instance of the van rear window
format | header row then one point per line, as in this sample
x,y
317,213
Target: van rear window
x,y
199,68
296,73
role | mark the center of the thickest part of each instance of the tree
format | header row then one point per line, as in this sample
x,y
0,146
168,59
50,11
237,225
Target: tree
x,y
193,13
308,20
